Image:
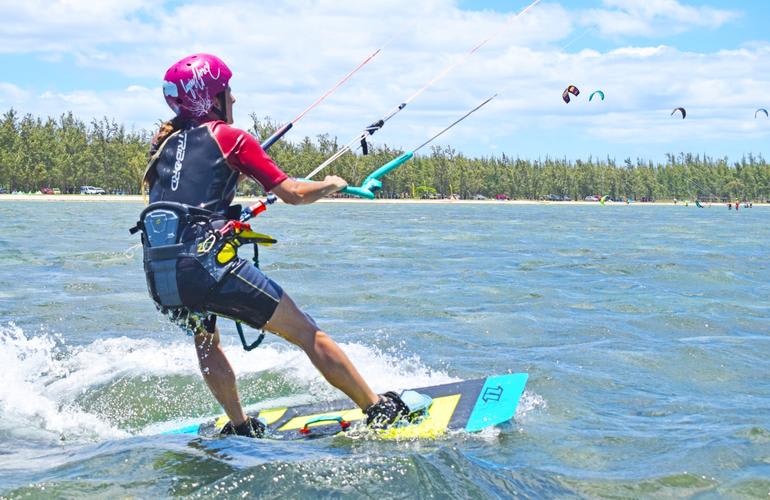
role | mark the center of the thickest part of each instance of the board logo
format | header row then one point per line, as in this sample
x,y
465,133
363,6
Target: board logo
x,y
492,394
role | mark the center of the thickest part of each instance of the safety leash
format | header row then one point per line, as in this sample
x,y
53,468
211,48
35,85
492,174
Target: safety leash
x,y
246,214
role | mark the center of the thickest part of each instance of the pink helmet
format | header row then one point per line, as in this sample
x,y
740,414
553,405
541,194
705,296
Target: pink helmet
x,y
191,84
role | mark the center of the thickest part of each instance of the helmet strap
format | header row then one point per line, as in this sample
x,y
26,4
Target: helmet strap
x,y
221,110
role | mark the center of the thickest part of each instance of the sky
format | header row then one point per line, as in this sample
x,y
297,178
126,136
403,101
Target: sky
x,y
711,57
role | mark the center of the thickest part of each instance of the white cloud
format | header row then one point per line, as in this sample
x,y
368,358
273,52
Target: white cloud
x,y
10,94
653,18
285,56
63,26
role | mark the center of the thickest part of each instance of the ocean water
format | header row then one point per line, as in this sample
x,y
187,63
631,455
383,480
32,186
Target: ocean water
x,y
644,330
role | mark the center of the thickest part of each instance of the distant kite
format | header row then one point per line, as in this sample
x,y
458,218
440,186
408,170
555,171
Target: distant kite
x,y
597,92
763,110
570,90
682,110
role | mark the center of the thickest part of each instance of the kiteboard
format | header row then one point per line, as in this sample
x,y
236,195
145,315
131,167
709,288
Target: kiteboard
x,y
470,406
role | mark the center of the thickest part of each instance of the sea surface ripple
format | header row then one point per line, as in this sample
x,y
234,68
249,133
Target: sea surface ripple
x,y
644,330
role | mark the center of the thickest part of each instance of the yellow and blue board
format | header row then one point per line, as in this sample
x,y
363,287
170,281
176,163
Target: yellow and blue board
x,y
470,405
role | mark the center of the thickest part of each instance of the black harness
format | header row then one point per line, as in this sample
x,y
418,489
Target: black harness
x,y
177,236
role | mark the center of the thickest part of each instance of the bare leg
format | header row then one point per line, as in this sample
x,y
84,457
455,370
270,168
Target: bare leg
x,y
219,375
296,327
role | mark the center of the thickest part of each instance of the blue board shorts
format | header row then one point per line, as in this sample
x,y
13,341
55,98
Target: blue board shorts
x,y
245,294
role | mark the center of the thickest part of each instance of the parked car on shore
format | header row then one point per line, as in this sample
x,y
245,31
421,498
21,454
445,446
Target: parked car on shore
x,y
591,197
91,190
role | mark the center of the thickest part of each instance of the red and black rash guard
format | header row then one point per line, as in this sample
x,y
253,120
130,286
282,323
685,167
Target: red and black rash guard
x,y
200,166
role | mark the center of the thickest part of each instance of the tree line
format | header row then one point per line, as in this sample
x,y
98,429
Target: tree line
x,y
66,153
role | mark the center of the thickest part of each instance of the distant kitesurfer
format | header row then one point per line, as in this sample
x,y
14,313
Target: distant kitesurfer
x,y
196,161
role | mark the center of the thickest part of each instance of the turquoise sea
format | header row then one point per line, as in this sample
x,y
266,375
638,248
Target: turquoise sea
x,y
644,330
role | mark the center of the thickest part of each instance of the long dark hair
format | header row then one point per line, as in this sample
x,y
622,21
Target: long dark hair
x,y
165,130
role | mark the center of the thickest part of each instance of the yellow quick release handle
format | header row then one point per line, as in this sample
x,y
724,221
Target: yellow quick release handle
x,y
229,250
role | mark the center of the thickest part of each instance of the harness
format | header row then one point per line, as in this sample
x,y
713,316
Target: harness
x,y
204,244
172,231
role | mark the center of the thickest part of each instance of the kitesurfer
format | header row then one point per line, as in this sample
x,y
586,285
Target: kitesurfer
x,y
196,161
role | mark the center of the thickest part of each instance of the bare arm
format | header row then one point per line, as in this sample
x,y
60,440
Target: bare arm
x,y
296,192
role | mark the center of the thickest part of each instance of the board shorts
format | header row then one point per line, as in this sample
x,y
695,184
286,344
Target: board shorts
x,y
245,294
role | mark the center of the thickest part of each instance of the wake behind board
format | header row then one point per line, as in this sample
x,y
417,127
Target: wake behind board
x,y
470,406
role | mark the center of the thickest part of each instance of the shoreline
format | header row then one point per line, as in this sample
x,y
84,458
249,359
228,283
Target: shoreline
x,y
239,199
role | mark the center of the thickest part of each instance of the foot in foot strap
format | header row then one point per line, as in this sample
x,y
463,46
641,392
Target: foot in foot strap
x,y
386,411
251,427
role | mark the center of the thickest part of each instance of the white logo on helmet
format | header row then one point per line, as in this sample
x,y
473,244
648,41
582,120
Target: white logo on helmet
x,y
200,102
196,83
